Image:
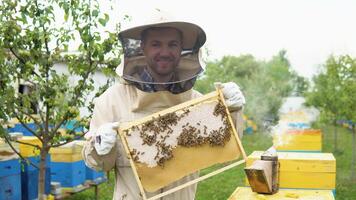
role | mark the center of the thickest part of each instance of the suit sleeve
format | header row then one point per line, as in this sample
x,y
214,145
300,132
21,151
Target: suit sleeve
x,y
101,115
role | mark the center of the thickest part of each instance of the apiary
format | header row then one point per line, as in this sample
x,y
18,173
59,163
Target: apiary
x,y
246,193
183,139
299,140
303,170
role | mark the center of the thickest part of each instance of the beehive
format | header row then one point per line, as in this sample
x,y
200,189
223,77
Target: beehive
x,y
68,174
298,140
175,142
27,150
303,170
246,193
67,166
20,128
6,153
70,152
92,176
10,179
29,178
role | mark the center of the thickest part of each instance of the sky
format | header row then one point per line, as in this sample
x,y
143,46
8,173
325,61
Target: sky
x,y
310,30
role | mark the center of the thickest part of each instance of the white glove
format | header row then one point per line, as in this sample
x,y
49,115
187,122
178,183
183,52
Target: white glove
x,y
105,138
234,98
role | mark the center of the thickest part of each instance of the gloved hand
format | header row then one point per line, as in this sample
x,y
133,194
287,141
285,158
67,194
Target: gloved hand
x,y
105,138
234,98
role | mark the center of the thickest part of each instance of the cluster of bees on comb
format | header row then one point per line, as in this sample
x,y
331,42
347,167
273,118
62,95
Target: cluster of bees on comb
x,y
157,130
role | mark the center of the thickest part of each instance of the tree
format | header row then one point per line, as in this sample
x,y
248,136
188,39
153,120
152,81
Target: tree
x,y
326,93
264,84
301,85
33,37
334,94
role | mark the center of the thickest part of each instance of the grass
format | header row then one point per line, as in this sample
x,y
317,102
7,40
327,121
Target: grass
x,y
345,187
220,187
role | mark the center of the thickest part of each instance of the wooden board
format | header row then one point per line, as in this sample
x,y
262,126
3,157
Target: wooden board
x,y
186,159
246,193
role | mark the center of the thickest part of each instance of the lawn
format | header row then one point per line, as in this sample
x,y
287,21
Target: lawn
x,y
345,187
222,185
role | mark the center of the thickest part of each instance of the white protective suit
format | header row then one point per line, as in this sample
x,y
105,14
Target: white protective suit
x,y
124,102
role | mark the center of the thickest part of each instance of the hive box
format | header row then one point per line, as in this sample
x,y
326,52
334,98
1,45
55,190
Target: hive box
x,y
29,178
27,150
299,140
20,128
10,179
67,166
303,170
246,193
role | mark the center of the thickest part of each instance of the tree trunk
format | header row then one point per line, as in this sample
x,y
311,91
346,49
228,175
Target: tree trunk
x,y
42,175
353,169
335,136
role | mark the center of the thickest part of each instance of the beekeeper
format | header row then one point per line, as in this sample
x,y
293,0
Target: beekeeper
x,y
160,65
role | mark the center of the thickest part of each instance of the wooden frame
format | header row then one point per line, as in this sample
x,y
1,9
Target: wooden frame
x,y
214,95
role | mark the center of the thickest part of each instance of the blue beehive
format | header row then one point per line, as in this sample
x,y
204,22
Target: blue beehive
x,y
69,174
71,125
20,128
94,176
29,178
10,180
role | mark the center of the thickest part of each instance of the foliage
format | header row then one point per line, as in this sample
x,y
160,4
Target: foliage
x,y
301,85
334,90
33,38
264,84
334,94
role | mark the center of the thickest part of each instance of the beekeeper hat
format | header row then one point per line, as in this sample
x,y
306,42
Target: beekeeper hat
x,y
193,35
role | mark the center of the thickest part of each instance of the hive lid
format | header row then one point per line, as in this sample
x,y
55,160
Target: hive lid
x,y
299,161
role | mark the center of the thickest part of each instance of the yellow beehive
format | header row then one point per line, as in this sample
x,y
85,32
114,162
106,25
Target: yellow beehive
x,y
27,150
303,170
246,193
70,152
298,140
6,153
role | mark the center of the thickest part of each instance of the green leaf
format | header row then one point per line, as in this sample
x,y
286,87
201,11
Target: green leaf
x,y
104,20
95,13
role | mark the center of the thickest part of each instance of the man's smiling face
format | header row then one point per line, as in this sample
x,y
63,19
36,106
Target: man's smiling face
x,y
162,48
